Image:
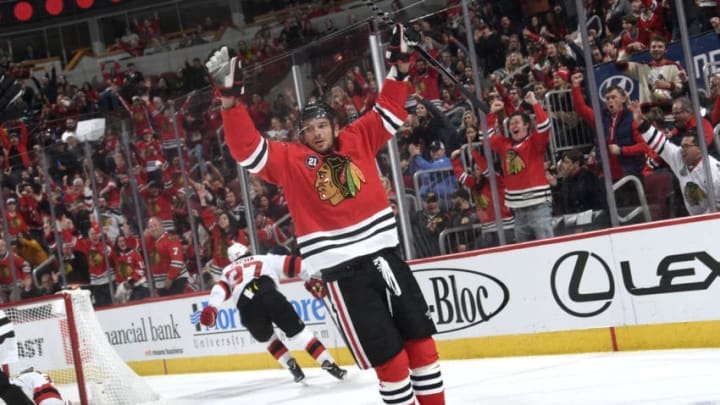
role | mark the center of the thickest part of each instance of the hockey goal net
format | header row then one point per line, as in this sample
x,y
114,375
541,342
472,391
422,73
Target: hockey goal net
x,y
61,336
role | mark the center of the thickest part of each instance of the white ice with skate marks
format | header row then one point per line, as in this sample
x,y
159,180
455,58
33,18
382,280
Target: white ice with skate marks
x,y
671,377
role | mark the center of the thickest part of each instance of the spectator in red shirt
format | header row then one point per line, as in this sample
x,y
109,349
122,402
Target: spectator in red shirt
x,y
260,111
15,221
8,279
167,261
129,272
98,253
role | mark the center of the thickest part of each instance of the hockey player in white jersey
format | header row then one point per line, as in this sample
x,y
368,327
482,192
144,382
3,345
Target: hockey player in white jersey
x,y
10,393
39,387
252,283
30,387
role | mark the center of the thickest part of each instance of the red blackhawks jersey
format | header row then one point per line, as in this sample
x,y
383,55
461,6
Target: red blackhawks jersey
x,y
22,267
524,162
98,267
238,274
128,265
336,200
482,193
220,242
166,258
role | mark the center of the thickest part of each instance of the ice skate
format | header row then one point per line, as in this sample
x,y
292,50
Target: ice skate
x,y
334,370
296,371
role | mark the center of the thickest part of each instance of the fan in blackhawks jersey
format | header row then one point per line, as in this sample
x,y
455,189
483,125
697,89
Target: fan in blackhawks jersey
x,y
346,231
252,283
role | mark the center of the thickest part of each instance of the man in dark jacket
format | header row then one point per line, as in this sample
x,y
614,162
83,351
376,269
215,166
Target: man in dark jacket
x,y
576,189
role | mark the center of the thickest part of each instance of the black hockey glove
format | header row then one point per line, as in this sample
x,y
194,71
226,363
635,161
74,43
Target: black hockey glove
x,y
401,43
225,74
11,102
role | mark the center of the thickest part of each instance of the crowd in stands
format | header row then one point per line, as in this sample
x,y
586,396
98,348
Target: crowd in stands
x,y
170,196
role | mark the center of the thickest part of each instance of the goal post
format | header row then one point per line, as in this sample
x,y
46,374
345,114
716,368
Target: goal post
x,y
61,336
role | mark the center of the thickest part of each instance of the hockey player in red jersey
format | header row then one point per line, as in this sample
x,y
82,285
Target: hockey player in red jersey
x,y
345,227
252,283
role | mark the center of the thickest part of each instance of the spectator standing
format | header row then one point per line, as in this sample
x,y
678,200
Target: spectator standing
x,y
626,155
129,272
659,80
98,254
15,220
685,122
224,231
141,114
132,81
489,47
9,281
476,180
527,192
167,261
686,162
442,183
433,126
15,147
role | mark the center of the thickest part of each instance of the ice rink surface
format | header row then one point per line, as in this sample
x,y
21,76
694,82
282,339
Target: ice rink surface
x,y
651,377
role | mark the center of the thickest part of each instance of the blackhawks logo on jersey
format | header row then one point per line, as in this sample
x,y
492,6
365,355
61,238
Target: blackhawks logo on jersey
x,y
95,258
694,194
154,257
124,269
4,271
481,201
154,208
338,178
514,162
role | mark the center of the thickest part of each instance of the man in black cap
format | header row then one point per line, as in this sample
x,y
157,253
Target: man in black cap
x,y
439,177
462,215
427,225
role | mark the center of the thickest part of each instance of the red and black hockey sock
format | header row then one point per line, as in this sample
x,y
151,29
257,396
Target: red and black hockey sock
x,y
46,392
279,351
425,372
394,376
317,351
313,346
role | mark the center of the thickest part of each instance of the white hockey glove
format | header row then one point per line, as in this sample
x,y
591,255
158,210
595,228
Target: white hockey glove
x,y
225,74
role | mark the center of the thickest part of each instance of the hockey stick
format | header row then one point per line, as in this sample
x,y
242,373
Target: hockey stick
x,y
385,17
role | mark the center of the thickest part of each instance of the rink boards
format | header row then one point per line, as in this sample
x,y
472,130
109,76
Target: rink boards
x,y
649,286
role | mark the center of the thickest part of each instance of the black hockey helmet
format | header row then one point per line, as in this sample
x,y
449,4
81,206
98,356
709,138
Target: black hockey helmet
x,y
315,109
